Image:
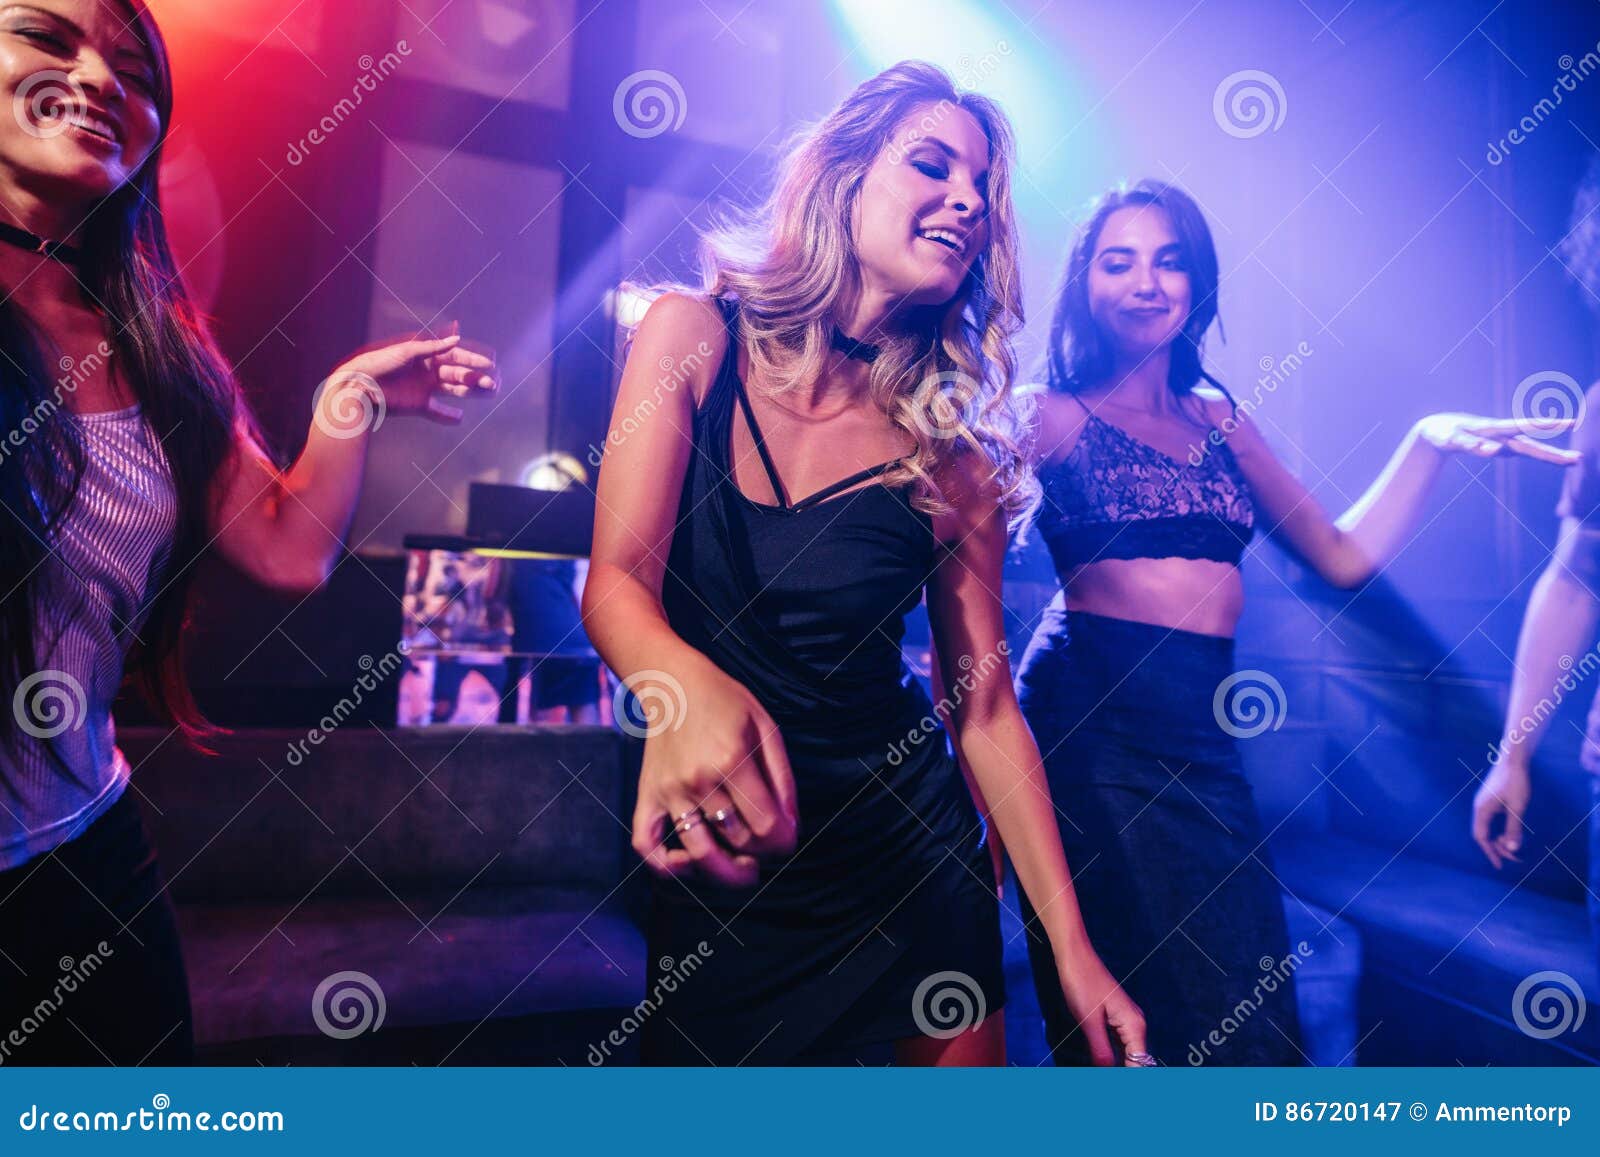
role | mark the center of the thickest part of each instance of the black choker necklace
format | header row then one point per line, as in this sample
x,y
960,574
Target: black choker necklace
x,y
860,350
34,243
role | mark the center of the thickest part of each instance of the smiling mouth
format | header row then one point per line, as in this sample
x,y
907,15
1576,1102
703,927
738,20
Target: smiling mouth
x,y
946,238
93,126
84,121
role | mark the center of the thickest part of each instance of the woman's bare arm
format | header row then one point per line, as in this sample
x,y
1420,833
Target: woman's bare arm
x,y
286,528
1348,550
636,499
710,746
965,612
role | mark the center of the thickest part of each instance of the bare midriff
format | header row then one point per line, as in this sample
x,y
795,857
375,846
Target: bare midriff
x,y
1188,594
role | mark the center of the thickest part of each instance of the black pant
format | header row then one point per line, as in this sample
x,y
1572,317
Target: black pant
x,y
1162,837
90,970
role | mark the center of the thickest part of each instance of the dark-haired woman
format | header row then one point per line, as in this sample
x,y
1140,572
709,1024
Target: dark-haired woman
x,y
1153,485
124,452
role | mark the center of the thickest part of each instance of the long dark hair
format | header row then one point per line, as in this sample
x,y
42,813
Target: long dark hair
x,y
1079,356
188,395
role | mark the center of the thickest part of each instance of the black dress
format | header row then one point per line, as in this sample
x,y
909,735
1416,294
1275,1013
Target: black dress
x,y
889,897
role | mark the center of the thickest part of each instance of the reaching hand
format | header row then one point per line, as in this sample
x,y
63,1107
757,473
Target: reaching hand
x,y
408,375
1486,437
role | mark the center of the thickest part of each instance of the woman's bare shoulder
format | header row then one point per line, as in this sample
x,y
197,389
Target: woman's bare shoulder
x,y
685,335
1058,422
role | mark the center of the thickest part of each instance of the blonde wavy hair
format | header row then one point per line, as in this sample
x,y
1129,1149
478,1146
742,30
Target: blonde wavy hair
x,y
947,378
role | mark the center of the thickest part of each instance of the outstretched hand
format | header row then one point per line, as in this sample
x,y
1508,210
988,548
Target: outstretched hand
x,y
1487,437
410,374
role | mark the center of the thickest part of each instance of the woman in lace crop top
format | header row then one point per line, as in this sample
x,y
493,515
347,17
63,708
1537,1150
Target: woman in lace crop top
x,y
1116,497
1153,482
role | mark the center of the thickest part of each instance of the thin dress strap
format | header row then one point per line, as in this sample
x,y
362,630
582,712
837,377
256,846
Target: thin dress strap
x,y
756,436
845,483
730,310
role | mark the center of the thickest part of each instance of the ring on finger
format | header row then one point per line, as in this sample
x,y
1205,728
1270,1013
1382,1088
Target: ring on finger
x,y
731,826
1143,1060
688,821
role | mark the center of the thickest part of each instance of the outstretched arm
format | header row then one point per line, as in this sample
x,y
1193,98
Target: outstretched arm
x,y
1348,550
285,528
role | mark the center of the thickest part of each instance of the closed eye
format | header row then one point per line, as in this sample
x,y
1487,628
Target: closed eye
x,y
47,39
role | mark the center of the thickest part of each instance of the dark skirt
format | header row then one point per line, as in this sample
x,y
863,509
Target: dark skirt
x,y
90,968
884,925
1161,833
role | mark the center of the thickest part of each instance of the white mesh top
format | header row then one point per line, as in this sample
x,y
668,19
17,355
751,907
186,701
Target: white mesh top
x,y
106,559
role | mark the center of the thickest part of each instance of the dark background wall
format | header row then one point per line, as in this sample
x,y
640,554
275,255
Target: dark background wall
x,y
487,174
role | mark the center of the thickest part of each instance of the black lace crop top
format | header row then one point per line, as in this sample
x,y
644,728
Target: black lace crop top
x,y
1115,496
